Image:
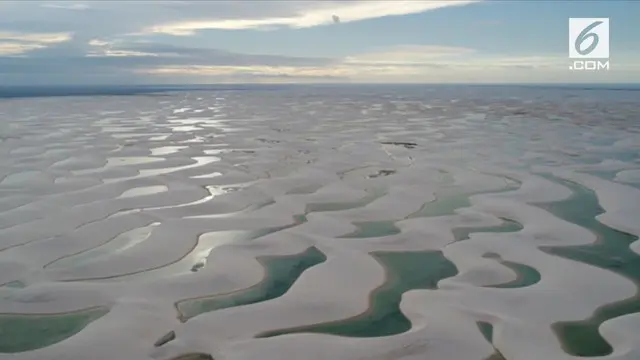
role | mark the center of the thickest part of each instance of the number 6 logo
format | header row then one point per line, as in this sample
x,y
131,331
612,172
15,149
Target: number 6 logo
x,y
588,38
583,36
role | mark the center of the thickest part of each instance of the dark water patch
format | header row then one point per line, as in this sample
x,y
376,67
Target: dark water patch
x,y
507,225
269,141
486,329
304,190
407,145
299,219
603,174
230,189
25,332
628,156
496,356
371,229
337,206
15,285
612,252
405,271
382,173
198,266
168,337
194,356
526,276
442,206
447,205
281,274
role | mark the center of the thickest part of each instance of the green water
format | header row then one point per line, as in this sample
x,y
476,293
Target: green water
x,y
507,225
581,338
364,229
447,205
405,271
303,190
14,284
193,356
346,205
496,356
254,234
527,276
20,333
486,329
605,174
282,272
442,206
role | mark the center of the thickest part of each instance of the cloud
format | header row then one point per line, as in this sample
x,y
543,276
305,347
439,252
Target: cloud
x,y
12,43
169,54
277,74
111,21
397,64
100,19
403,60
66,5
8,48
91,42
315,14
118,62
101,48
42,38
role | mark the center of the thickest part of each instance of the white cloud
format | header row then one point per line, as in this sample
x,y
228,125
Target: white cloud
x,y
94,41
402,64
315,14
42,38
261,70
12,43
98,43
67,5
11,49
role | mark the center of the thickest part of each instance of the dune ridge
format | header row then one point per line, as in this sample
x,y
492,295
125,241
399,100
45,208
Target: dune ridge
x,y
195,215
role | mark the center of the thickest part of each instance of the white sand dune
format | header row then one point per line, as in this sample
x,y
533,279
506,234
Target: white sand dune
x,y
620,202
628,176
140,204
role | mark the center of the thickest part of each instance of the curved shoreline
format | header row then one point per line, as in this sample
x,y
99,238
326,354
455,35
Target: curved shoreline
x,y
392,280
589,326
91,314
472,153
263,261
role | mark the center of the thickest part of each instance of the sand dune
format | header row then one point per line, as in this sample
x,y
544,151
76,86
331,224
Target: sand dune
x,y
248,214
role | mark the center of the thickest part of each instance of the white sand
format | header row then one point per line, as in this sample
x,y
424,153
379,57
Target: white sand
x,y
114,210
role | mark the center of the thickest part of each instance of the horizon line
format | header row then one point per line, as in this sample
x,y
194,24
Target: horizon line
x,y
4,87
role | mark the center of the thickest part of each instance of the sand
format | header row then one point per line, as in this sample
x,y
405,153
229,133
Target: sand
x,y
136,204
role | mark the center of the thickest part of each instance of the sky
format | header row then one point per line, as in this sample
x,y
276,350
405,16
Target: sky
x,y
95,42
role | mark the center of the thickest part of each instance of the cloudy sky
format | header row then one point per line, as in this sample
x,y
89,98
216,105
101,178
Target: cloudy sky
x,y
178,42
